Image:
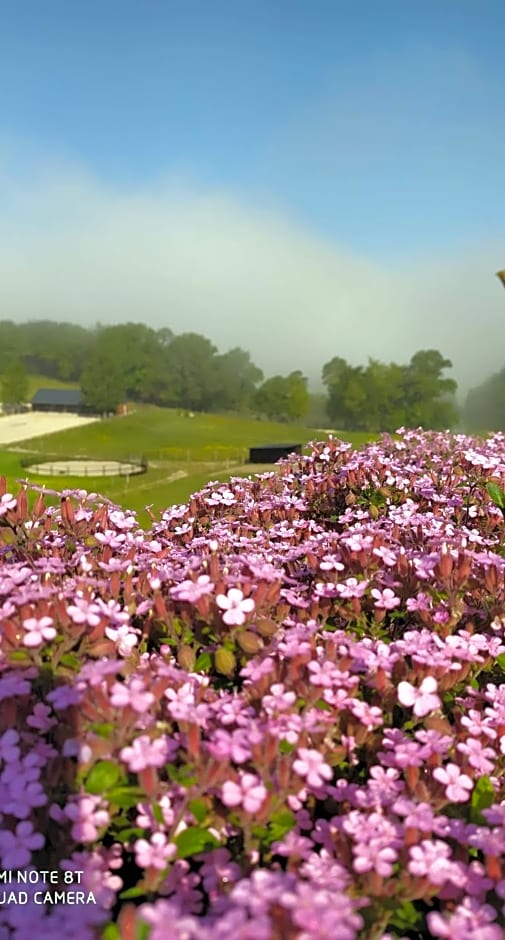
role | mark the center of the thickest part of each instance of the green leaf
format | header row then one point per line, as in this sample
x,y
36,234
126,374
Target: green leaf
x,y
103,729
102,777
182,775
193,840
285,747
496,494
71,660
19,656
203,663
111,932
142,931
158,813
124,796
500,661
323,706
126,835
132,893
483,797
199,810
281,823
262,834
406,917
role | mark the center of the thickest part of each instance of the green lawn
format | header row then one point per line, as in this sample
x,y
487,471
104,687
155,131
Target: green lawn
x,y
41,381
165,434
206,447
149,489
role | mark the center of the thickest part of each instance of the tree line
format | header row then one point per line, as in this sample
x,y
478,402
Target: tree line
x,y
484,408
134,362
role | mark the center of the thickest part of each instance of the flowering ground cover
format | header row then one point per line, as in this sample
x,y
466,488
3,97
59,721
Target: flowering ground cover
x,y
279,714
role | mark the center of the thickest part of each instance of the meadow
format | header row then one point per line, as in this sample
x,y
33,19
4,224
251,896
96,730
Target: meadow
x,y
183,453
36,381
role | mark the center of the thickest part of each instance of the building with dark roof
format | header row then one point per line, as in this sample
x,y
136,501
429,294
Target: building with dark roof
x,y
65,400
271,453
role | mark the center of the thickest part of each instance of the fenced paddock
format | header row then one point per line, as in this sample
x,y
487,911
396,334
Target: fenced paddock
x,y
87,468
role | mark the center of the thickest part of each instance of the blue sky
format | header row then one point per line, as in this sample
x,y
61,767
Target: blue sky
x,y
320,149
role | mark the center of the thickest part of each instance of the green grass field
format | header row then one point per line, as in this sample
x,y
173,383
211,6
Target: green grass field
x,y
205,447
41,381
166,434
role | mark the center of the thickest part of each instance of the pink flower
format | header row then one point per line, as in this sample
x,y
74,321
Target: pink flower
x,y
231,745
351,587
330,563
372,855
38,630
310,764
470,919
155,853
9,750
131,693
16,848
457,785
125,637
146,753
192,591
235,605
325,674
41,718
12,685
386,599
87,816
431,859
479,757
82,611
218,868
249,792
7,501
424,699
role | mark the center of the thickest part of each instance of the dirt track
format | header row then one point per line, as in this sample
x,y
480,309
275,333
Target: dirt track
x,y
23,427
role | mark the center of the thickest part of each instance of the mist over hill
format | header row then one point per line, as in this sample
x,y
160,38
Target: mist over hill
x,y
173,255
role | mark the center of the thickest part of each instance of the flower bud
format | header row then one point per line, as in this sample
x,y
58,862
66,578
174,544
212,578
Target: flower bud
x,y
249,642
266,627
186,657
224,661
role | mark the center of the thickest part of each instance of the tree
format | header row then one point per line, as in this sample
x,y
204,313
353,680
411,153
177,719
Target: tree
x,y
125,362
14,386
103,384
10,344
484,408
429,396
346,393
237,378
297,403
55,350
283,398
385,408
190,361
381,397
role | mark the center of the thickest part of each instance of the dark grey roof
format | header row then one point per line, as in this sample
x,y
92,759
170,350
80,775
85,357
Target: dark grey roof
x,y
57,396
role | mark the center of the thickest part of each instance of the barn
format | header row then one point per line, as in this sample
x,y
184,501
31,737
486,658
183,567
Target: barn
x,y
64,400
271,453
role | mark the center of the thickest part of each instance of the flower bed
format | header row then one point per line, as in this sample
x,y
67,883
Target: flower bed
x,y
278,714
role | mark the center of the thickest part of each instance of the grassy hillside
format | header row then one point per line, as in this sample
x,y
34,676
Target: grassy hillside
x,y
166,434
41,381
154,488
199,449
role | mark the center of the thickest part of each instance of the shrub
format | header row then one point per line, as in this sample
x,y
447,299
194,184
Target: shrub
x,y
278,714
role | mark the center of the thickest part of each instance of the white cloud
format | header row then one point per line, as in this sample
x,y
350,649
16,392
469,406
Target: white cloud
x,y
76,249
